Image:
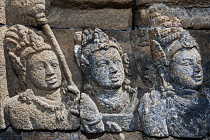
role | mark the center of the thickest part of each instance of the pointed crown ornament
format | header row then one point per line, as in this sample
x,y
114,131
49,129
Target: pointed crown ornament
x,y
167,35
89,41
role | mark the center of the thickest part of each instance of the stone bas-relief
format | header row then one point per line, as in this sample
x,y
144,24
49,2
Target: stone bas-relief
x,y
46,102
176,106
108,102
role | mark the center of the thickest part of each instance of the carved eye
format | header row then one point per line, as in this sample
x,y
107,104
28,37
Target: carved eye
x,y
117,61
40,66
102,63
54,64
199,61
187,63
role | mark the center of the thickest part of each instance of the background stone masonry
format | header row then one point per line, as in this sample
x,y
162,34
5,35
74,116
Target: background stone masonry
x,y
125,20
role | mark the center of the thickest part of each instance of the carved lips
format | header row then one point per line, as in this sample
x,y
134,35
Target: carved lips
x,y
51,80
198,77
115,78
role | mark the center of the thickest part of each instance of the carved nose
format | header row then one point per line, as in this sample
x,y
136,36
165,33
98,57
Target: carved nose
x,y
113,69
49,70
197,68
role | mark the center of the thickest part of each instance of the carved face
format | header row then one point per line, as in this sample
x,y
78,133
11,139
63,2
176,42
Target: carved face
x,y
44,71
185,69
107,68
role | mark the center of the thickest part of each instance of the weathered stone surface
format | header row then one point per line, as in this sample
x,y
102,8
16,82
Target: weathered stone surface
x,y
88,4
46,100
66,40
2,12
183,3
201,36
37,135
24,11
105,82
141,54
101,18
163,101
197,18
21,13
135,44
10,134
175,107
136,135
3,79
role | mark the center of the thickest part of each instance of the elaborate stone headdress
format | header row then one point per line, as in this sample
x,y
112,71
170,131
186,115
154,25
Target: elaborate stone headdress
x,y
20,43
167,35
87,42
90,41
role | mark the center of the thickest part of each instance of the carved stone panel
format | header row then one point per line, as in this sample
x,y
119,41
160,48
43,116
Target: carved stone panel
x,y
108,102
176,106
144,74
46,101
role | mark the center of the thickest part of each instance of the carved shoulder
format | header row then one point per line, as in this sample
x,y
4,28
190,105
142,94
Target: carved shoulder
x,y
18,114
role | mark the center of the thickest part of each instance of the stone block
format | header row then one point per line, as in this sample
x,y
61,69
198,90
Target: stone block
x,y
88,4
183,3
136,135
22,12
50,135
101,18
59,17
3,79
197,18
2,12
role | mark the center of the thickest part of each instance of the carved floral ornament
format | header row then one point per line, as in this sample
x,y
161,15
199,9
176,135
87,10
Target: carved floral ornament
x,y
50,100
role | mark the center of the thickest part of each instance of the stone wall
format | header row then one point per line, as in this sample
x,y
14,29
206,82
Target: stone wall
x,y
129,22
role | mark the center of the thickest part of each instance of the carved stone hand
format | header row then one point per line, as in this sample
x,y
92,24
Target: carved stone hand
x,y
113,127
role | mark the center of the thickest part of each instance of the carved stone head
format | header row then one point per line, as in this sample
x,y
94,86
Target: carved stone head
x,y
32,59
101,60
43,70
184,59
185,68
175,50
107,68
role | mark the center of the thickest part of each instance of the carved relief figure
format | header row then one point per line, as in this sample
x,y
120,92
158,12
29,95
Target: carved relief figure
x,y
176,107
108,102
46,102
